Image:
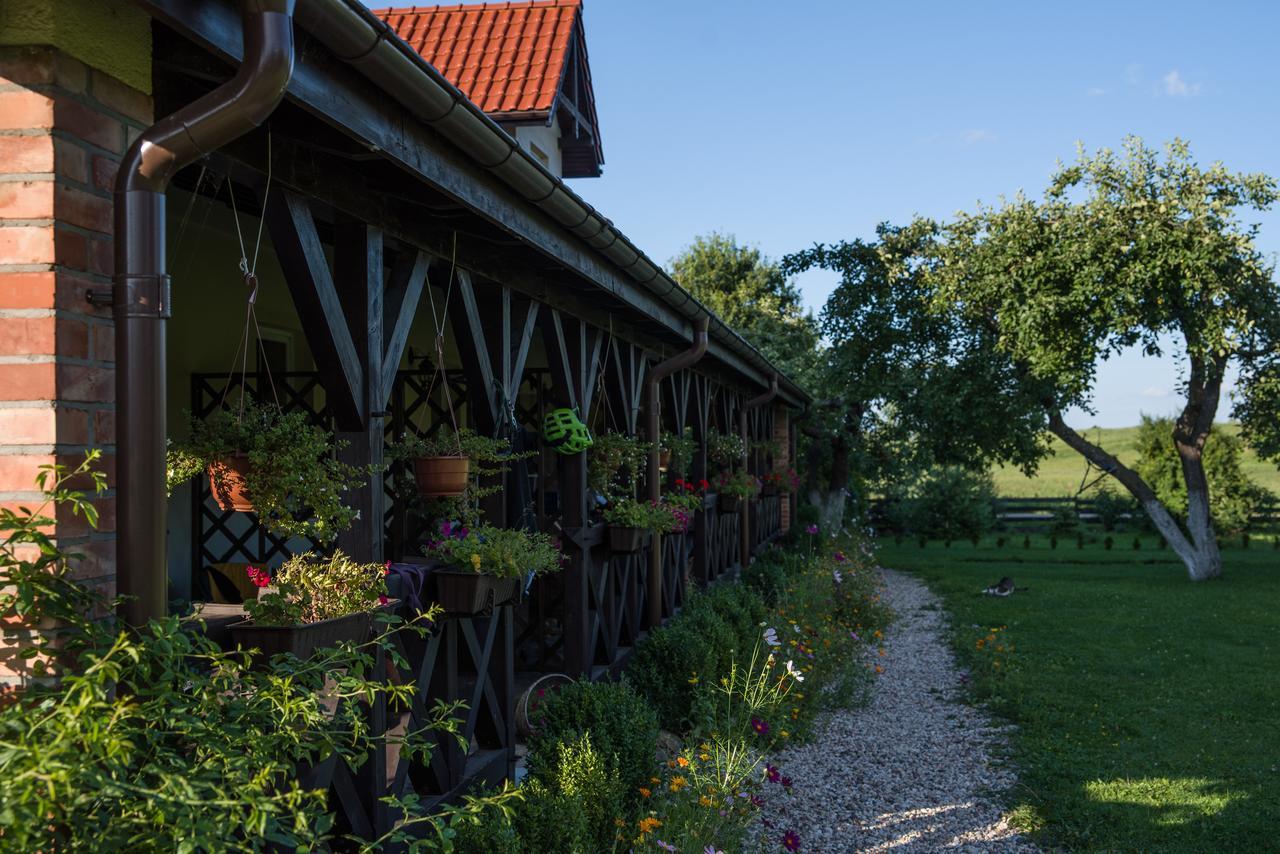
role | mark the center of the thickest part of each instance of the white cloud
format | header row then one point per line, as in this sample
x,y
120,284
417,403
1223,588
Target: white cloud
x,y
973,135
1176,86
1155,391
1096,92
1132,74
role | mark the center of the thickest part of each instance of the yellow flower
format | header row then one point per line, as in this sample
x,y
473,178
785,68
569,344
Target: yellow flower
x,y
705,801
693,680
678,783
475,562
648,824
785,734
705,757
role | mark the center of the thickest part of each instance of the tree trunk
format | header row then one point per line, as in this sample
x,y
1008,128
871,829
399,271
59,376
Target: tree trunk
x,y
1190,432
1202,563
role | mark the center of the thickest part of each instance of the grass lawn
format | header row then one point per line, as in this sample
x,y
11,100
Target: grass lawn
x,y
1148,707
1059,474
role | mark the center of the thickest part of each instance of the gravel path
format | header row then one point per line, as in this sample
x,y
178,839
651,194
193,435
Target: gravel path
x,y
913,769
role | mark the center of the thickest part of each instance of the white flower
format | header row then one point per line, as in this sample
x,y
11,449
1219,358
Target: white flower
x,y
835,574
771,637
793,673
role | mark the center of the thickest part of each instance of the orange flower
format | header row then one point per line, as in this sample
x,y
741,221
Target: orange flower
x,y
682,762
677,783
647,825
644,793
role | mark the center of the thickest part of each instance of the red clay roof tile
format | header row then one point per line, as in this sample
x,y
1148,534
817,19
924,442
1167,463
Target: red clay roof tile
x,y
506,57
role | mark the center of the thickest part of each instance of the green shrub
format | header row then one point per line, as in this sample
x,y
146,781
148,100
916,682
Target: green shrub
x,y
1113,507
668,669
765,577
1233,498
945,503
549,820
591,782
622,725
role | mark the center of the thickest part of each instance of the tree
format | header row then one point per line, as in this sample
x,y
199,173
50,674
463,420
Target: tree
x,y
751,294
1125,250
904,386
1233,498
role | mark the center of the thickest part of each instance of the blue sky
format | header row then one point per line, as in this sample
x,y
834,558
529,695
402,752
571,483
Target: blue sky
x,y
786,123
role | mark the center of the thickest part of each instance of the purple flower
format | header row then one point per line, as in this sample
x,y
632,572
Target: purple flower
x,y
840,558
812,529
666,846
773,774
761,727
785,782
446,529
854,635
791,841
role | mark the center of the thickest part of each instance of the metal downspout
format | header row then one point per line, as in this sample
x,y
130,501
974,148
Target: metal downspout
x,y
141,288
744,523
660,372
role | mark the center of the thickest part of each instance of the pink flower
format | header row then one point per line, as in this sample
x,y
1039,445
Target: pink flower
x,y
259,577
382,599
761,727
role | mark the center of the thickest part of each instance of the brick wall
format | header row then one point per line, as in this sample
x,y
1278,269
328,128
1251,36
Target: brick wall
x,y
782,461
63,128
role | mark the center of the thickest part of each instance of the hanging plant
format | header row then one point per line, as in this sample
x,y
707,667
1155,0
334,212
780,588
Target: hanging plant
x,y
484,565
276,464
725,449
444,462
679,448
614,462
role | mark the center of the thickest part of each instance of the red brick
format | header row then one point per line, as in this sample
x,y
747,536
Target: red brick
x,y
21,506
71,160
26,66
85,383
76,525
26,199
28,382
97,559
34,426
21,110
27,290
71,291
88,124
73,426
104,172
26,244
22,154
73,338
124,99
27,336
102,256
104,427
42,66
72,249
86,210
18,471
104,342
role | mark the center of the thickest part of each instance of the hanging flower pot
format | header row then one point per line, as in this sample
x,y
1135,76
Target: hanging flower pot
x,y
227,481
441,477
527,707
664,459
484,566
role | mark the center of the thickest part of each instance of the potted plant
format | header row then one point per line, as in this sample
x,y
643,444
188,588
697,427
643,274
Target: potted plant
x,y
631,521
733,487
483,566
686,500
615,460
442,463
675,451
311,602
725,450
273,463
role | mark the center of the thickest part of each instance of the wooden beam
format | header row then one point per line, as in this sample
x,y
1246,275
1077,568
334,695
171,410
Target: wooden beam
x,y
401,304
320,309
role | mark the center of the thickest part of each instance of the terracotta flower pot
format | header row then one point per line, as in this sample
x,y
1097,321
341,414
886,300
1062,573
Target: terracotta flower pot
x,y
227,480
441,477
624,540
664,459
462,591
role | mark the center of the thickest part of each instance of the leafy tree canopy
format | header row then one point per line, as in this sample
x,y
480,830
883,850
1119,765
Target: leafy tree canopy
x,y
753,295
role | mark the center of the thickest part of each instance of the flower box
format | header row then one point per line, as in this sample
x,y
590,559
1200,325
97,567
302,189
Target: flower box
x,y
626,540
730,503
301,640
463,591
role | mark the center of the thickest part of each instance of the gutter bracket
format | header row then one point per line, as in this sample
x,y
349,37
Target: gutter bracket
x,y
142,295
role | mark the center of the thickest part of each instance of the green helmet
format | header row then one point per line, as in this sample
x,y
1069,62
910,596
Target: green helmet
x,y
563,430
